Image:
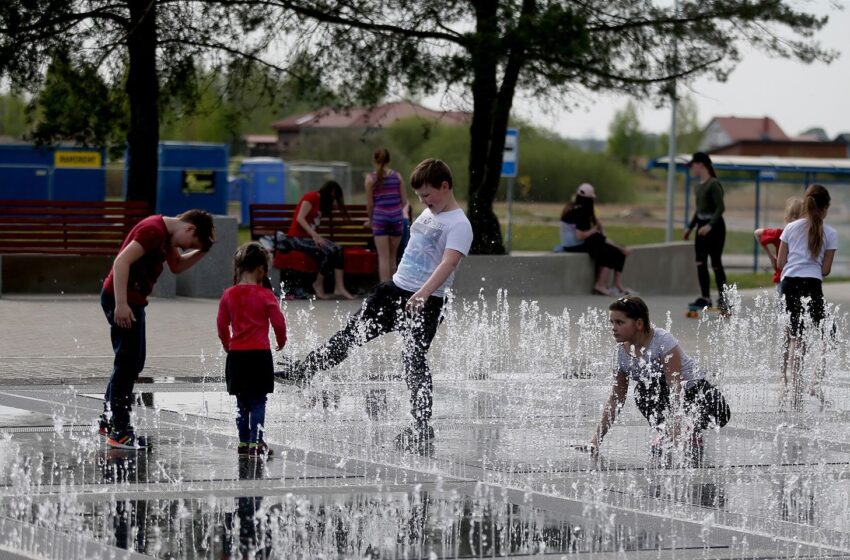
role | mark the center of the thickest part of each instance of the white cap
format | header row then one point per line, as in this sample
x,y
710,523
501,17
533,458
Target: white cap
x,y
586,190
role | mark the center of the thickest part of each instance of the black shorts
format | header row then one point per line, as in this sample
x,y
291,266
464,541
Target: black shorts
x,y
794,290
249,372
703,402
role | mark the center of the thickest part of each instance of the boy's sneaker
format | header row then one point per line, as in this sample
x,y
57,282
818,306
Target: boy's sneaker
x,y
700,302
126,440
415,440
260,449
104,426
242,448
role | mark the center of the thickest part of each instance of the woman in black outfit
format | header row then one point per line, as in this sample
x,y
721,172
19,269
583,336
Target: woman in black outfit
x,y
582,232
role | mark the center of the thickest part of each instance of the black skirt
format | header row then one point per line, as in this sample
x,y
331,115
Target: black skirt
x,y
249,372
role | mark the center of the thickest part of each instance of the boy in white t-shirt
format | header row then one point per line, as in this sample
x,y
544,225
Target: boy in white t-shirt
x,y
412,302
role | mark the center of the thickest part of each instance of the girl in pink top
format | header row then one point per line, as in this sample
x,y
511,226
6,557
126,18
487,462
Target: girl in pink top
x,y
244,314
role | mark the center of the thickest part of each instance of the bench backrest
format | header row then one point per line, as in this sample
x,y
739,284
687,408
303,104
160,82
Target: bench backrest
x,y
67,227
266,219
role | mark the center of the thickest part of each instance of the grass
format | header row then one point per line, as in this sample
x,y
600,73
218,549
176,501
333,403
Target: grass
x,y
528,237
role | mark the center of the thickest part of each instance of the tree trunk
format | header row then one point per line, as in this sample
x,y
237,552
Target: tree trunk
x,y
143,93
485,225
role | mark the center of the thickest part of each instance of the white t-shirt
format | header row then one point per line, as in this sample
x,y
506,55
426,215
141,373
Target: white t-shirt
x,y
800,262
430,236
650,363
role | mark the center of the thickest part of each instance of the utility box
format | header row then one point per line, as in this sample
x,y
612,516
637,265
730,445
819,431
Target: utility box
x,y
263,182
30,172
191,175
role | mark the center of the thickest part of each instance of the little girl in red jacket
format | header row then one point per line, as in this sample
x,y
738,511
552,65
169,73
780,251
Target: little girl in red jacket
x,y
244,314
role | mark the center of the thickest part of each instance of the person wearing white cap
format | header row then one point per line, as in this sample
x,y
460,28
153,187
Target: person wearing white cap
x,y
581,232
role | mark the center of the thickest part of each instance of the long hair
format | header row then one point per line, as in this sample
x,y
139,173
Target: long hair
x,y
248,258
815,203
585,206
381,158
329,193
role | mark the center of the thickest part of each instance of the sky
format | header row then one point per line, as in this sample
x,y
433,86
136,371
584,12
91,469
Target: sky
x,y
796,95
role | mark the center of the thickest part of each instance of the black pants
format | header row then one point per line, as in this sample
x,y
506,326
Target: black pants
x,y
603,253
383,312
706,246
328,256
129,348
703,402
794,290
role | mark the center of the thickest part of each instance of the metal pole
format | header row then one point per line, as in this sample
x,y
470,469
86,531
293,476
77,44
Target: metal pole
x,y
671,147
758,211
510,214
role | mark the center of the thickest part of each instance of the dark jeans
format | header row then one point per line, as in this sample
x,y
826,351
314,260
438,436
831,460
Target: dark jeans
x,y
383,312
603,253
703,402
129,348
250,414
706,246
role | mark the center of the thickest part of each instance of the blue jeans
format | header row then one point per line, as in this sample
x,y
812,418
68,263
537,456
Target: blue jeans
x,y
250,414
129,348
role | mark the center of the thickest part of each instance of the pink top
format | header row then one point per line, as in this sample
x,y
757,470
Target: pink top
x,y
244,314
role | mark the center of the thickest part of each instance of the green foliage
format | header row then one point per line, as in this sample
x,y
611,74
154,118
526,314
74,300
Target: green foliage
x,y
688,128
13,120
75,104
626,140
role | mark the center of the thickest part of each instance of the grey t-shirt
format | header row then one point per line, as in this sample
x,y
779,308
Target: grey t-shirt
x,y
650,363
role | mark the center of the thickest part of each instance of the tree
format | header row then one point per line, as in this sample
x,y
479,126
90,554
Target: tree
x,y
689,131
13,115
491,50
152,47
626,140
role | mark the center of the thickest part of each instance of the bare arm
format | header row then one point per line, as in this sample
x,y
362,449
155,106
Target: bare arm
x,y
180,262
767,248
369,185
612,409
826,267
123,316
301,218
782,257
451,259
402,191
581,235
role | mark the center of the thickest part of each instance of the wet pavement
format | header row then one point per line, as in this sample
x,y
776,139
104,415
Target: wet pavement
x,y
516,386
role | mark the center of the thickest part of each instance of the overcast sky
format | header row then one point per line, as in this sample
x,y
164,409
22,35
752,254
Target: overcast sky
x,y
796,95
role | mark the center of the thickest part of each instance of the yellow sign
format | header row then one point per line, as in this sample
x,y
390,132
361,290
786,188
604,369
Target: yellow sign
x,y
198,181
78,160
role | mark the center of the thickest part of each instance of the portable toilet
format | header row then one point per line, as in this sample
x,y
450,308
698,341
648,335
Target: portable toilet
x,y
264,182
30,172
192,175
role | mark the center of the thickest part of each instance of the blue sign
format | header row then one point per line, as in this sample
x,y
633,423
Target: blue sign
x,y
510,157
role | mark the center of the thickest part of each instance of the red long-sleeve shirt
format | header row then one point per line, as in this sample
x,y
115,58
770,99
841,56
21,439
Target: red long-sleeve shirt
x,y
244,314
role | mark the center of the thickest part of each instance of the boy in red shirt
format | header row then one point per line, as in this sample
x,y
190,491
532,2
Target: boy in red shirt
x,y
153,241
244,314
769,237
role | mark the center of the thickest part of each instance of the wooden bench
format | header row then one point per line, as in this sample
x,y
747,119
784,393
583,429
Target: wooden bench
x,y
355,239
66,227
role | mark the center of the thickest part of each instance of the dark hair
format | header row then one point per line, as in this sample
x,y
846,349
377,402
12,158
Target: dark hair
x,y
328,193
248,258
705,159
632,307
381,157
585,206
815,203
431,172
204,226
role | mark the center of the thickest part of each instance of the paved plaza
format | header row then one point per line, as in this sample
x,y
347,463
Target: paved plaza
x,y
517,384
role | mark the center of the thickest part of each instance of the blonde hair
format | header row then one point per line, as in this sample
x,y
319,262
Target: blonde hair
x,y
793,209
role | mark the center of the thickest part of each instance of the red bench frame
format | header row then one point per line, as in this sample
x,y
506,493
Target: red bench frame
x,y
67,227
351,235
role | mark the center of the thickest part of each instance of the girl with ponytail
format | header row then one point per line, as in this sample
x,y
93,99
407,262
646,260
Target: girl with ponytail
x,y
385,199
806,251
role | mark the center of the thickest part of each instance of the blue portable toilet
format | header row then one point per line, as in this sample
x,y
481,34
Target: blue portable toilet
x,y
264,183
191,175
30,172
